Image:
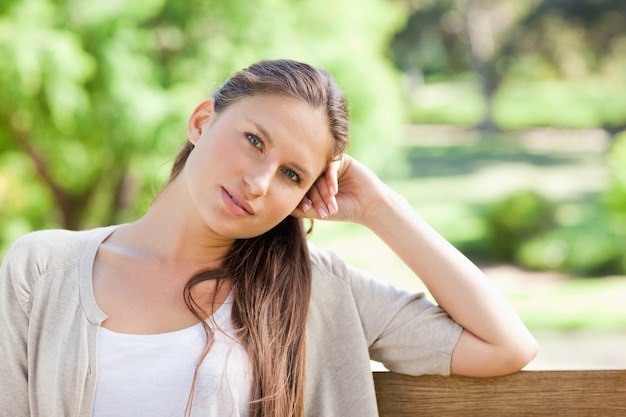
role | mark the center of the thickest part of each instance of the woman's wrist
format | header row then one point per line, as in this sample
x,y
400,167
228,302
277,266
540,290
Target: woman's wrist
x,y
384,204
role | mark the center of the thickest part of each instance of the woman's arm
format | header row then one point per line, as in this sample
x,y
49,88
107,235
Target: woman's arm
x,y
13,334
494,340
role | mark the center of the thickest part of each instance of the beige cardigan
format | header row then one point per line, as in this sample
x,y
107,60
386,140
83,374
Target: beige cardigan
x,y
49,325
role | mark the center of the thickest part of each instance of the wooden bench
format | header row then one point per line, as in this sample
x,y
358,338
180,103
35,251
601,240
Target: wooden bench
x,y
526,393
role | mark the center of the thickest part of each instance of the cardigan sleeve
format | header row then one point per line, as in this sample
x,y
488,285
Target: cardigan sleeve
x,y
14,319
404,331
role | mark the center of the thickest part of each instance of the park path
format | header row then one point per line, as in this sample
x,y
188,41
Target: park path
x,y
580,350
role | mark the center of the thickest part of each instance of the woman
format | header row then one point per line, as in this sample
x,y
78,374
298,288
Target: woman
x,y
213,304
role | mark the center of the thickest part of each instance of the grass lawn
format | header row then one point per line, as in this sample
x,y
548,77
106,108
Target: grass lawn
x,y
575,304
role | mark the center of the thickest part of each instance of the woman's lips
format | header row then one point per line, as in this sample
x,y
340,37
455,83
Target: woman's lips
x,y
236,203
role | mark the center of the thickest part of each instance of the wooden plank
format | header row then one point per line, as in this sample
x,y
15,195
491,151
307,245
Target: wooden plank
x,y
526,393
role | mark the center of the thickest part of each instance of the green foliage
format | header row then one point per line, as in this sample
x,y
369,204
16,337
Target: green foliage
x,y
518,104
514,221
560,103
616,195
429,42
454,101
507,44
524,229
589,249
95,95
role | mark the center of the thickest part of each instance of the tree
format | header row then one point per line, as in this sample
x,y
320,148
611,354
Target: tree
x,y
95,95
499,40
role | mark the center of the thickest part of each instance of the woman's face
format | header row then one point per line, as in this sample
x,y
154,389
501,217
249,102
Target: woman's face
x,y
254,162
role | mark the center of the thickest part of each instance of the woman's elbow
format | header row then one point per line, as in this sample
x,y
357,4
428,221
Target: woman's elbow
x,y
524,352
513,358
474,357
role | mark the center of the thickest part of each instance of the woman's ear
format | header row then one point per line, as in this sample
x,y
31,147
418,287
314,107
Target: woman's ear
x,y
203,113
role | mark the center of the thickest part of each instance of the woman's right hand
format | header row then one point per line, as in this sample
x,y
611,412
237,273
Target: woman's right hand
x,y
347,191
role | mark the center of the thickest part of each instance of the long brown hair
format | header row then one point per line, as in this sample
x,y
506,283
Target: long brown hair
x,y
271,273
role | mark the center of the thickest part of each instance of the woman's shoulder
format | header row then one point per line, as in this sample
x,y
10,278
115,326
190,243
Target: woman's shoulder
x,y
49,240
49,249
325,261
329,265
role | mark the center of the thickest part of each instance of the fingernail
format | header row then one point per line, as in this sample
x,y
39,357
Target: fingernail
x,y
322,213
332,190
305,207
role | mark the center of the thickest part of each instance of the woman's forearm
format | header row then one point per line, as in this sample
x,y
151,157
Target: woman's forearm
x,y
457,285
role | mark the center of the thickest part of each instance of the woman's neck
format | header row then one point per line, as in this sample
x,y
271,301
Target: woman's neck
x,y
168,233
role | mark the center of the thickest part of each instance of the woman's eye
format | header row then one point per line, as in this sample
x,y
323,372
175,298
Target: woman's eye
x,y
292,175
254,140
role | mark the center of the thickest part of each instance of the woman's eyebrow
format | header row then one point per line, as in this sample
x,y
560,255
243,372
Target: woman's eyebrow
x,y
263,131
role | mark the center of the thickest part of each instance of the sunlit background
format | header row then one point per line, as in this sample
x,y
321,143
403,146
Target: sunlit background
x,y
503,122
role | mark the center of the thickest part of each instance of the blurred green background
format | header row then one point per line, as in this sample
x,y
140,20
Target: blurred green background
x,y
502,121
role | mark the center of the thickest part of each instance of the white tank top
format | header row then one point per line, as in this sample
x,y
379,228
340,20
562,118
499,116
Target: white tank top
x,y
151,375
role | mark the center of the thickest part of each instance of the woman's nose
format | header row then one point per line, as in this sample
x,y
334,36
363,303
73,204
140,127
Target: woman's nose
x,y
258,181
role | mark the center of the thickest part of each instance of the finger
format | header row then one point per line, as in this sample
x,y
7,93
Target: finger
x,y
297,212
328,186
331,176
305,205
324,202
316,196
303,209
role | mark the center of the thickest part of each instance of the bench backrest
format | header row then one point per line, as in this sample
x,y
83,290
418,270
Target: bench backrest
x,y
526,393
